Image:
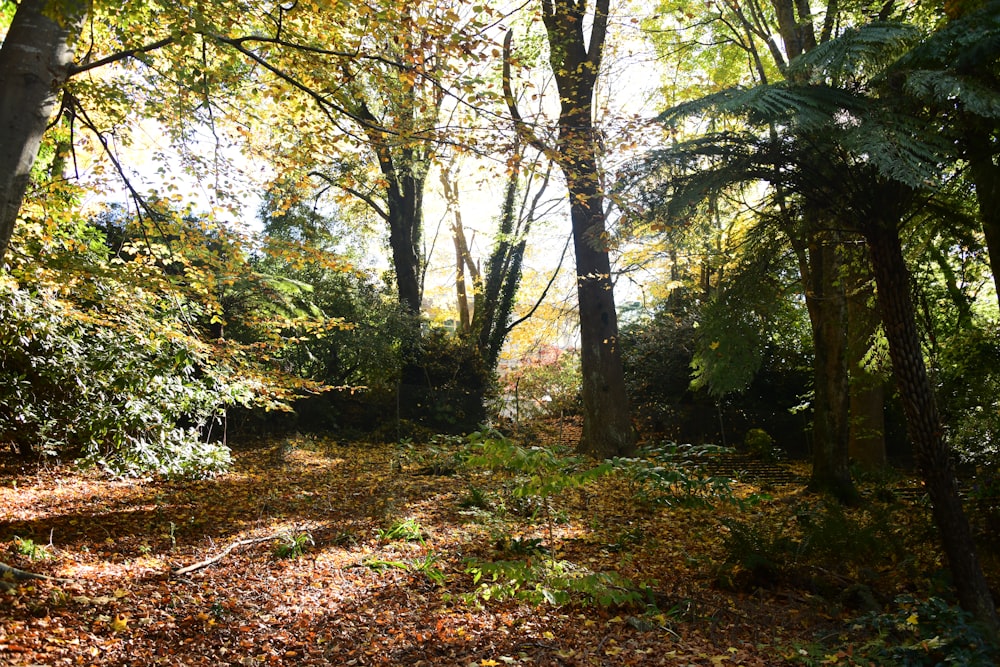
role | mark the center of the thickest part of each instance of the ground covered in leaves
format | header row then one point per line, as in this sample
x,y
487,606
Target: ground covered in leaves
x,y
330,552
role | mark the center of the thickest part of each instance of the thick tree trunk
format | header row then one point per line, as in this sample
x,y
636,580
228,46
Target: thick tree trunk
x,y
607,424
34,64
576,62
405,204
826,302
932,454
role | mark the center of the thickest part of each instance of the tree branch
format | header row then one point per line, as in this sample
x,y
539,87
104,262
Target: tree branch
x,y
222,554
121,55
375,206
545,291
523,129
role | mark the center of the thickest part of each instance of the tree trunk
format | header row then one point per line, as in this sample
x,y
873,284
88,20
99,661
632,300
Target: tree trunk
x,y
462,257
607,424
826,302
866,443
405,211
34,64
932,454
797,32
986,176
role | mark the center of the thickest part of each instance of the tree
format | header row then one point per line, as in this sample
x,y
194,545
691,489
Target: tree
x,y
35,62
768,37
576,63
956,71
881,163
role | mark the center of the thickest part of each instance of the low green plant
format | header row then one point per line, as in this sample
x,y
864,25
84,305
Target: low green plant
x,y
475,498
859,537
540,472
759,444
407,530
522,546
427,565
380,564
762,549
766,549
429,568
551,581
293,545
25,546
674,475
920,632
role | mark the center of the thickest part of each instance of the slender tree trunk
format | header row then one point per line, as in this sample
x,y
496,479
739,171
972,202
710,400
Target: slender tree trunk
x,y
986,176
462,258
34,64
866,444
932,453
826,302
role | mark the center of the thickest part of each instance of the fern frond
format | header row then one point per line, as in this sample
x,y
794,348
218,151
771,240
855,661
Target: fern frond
x,y
860,53
899,146
780,104
968,44
947,88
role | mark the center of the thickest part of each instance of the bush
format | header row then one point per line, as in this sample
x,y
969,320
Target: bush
x,y
446,385
117,386
924,632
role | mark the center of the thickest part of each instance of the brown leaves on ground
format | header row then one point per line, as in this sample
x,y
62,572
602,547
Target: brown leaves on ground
x,y
352,596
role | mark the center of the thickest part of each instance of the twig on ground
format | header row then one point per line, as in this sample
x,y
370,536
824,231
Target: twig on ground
x,y
222,554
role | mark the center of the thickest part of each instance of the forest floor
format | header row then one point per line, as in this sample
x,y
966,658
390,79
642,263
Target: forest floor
x,y
350,553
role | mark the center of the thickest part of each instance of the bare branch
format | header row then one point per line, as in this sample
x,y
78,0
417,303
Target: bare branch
x,y
523,129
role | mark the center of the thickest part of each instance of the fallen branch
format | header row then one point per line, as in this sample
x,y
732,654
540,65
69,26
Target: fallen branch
x,y
225,552
10,577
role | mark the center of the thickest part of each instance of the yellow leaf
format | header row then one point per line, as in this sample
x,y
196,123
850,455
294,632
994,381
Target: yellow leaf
x,y
488,663
912,620
548,635
119,623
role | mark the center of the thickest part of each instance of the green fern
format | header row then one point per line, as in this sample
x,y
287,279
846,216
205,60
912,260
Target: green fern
x,y
859,53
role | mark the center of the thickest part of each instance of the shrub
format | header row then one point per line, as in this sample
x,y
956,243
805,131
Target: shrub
x,y
925,632
118,386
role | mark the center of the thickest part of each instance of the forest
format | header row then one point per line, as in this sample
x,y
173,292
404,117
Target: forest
x,y
454,332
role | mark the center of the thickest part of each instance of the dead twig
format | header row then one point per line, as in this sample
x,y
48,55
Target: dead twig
x,y
222,554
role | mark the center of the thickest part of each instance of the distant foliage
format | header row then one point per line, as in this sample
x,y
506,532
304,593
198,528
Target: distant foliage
x,y
547,383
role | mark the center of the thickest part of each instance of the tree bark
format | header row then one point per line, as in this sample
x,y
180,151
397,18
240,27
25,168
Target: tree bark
x,y
404,203
986,176
607,425
797,32
34,64
462,257
932,453
826,302
866,443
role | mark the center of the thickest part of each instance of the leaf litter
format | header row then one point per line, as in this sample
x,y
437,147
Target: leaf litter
x,y
349,595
